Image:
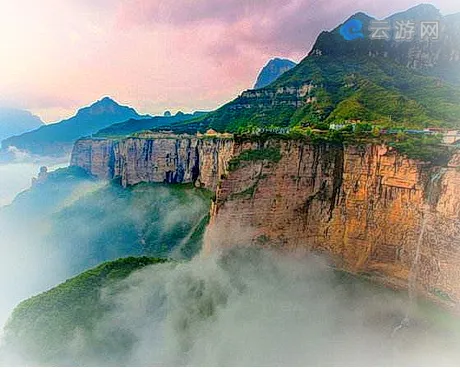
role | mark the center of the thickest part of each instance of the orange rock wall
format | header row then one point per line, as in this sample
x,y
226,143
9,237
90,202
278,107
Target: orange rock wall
x,y
362,207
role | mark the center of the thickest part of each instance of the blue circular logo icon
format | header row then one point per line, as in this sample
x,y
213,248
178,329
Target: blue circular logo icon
x,y
352,30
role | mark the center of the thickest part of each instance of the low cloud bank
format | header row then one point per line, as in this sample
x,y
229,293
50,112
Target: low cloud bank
x,y
20,247
250,307
70,223
18,170
29,263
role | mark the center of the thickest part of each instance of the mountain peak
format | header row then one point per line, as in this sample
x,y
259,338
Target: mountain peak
x,y
278,60
58,138
354,38
15,121
424,7
361,16
105,105
106,101
272,71
418,12
355,73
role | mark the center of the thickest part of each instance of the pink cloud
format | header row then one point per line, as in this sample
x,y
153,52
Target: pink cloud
x,y
287,26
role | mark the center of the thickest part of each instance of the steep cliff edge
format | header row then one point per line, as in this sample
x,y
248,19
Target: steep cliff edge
x,y
162,160
368,208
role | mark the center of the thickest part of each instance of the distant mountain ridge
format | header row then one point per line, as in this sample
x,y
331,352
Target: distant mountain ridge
x,y
433,57
57,139
136,125
414,84
272,71
16,121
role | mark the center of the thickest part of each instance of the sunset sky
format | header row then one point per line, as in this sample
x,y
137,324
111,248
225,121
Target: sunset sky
x,y
59,55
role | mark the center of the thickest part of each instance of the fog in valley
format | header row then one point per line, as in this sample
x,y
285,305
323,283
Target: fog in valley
x,y
71,222
16,173
229,183
26,267
252,307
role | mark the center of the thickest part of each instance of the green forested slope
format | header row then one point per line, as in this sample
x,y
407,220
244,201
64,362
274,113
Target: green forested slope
x,y
41,327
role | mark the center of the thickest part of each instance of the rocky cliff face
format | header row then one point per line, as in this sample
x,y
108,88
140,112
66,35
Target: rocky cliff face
x,y
282,96
162,160
369,209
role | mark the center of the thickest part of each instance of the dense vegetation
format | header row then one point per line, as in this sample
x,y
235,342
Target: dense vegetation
x,y
427,148
78,322
147,219
423,148
42,326
89,222
69,223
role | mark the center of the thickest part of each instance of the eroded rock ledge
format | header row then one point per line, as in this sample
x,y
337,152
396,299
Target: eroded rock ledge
x,y
162,160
